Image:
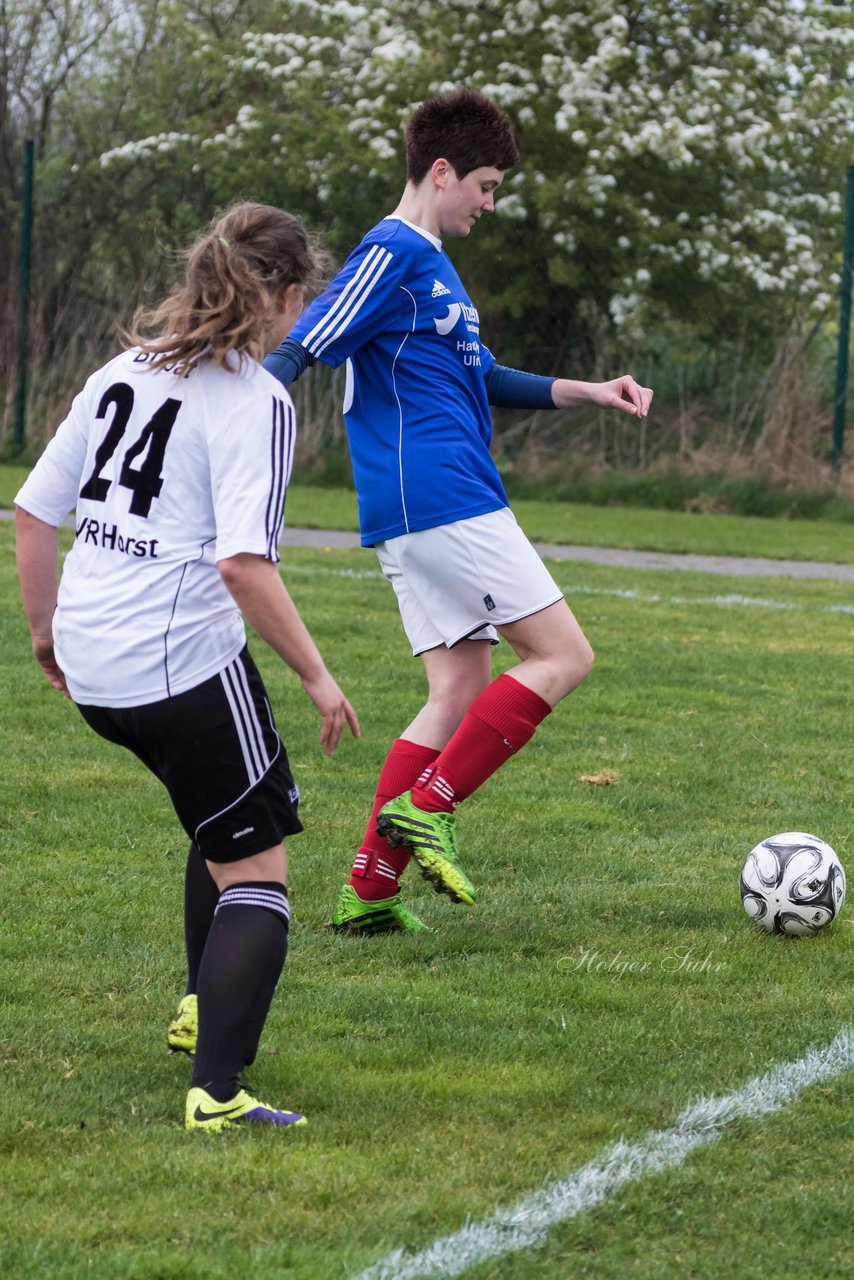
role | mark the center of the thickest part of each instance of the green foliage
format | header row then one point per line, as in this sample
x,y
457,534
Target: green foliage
x,y
677,211
684,158
713,494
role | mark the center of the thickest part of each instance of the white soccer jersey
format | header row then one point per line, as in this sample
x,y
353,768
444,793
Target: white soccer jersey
x,y
169,475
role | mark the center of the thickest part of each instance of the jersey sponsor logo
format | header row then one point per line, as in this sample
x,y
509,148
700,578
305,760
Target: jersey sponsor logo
x,y
444,324
108,538
439,289
470,352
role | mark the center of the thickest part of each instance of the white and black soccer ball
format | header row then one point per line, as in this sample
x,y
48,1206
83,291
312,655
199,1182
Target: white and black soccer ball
x,y
793,883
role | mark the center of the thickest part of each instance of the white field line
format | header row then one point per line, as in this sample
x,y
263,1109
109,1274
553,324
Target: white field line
x,y
527,1224
724,601
643,597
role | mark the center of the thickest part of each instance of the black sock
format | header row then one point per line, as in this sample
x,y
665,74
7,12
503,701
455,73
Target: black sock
x,y
243,959
200,898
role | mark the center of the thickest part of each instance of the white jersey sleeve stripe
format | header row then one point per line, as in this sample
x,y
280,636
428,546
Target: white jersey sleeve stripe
x,y
356,303
349,302
249,730
290,447
342,300
280,449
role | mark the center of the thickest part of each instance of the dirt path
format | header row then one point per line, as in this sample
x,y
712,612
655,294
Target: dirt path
x,y
736,566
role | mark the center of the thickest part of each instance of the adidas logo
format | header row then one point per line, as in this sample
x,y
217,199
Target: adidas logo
x,y
439,289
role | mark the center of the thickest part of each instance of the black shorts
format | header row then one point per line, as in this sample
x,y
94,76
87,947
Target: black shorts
x,y
216,750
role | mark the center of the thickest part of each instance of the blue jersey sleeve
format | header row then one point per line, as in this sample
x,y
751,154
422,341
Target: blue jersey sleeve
x,y
288,362
355,306
513,389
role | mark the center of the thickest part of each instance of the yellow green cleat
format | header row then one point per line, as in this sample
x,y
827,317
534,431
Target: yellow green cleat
x,y
432,840
204,1113
389,915
183,1030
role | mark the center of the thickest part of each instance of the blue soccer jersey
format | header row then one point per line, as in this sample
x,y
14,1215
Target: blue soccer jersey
x,y
415,404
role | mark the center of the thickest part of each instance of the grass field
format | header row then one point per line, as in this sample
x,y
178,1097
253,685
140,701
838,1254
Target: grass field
x,y
607,978
593,526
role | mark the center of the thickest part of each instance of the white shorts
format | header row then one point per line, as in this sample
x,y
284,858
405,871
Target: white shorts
x,y
453,582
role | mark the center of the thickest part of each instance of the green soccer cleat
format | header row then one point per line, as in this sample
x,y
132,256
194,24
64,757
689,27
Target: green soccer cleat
x,y
183,1030
432,839
204,1113
389,915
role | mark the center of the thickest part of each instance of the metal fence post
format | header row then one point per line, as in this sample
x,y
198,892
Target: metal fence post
x,y
844,328
24,298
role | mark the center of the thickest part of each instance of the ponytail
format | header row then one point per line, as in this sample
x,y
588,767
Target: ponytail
x,y
227,300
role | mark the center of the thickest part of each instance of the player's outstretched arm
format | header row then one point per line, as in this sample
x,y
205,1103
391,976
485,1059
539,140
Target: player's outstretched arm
x,y
37,554
265,603
620,393
515,389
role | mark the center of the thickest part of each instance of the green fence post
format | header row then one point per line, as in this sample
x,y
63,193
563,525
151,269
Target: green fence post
x,y
844,327
24,298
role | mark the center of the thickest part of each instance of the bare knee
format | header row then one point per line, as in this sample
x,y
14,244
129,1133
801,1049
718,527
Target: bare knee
x,y
450,703
574,665
586,658
456,677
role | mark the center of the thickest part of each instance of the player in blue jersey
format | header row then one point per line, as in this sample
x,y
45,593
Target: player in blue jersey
x,y
417,407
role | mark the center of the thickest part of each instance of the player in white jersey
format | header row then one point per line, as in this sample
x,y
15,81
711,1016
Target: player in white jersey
x,y
431,501
176,455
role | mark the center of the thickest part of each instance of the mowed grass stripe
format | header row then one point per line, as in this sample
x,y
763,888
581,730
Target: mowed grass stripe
x,y
526,1225
570,589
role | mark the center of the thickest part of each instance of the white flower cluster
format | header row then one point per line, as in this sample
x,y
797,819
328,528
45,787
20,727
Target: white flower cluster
x,y
705,137
144,148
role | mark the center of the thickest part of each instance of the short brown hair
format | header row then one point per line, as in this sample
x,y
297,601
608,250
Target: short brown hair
x,y
465,128
226,301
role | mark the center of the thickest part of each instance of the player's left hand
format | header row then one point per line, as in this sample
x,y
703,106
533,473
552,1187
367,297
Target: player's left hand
x,y
43,650
623,393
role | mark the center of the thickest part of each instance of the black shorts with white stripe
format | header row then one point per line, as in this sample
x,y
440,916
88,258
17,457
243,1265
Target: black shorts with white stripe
x,y
218,753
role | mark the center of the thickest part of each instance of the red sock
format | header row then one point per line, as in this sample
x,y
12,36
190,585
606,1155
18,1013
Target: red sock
x,y
497,724
378,868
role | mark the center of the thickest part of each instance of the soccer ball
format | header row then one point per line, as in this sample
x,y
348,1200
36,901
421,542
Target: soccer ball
x,y
792,883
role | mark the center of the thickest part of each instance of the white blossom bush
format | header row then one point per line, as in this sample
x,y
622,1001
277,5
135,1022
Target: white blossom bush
x,y
683,162
678,158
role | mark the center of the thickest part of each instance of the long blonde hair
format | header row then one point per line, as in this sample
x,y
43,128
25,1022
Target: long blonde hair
x,y
227,299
